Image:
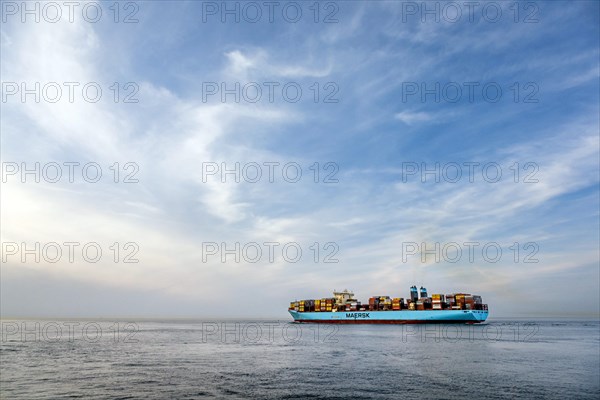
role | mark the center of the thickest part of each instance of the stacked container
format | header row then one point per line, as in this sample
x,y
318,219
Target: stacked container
x,y
385,303
455,301
438,298
427,303
450,300
460,300
329,304
469,302
373,303
437,301
397,303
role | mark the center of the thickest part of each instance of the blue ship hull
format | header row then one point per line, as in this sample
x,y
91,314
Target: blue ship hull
x,y
392,317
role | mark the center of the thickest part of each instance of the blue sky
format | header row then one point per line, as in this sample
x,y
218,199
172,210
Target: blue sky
x,y
372,55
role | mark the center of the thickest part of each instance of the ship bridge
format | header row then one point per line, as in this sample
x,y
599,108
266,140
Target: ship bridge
x,y
343,297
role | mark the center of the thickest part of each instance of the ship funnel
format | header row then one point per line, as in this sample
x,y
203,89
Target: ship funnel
x,y
414,294
423,292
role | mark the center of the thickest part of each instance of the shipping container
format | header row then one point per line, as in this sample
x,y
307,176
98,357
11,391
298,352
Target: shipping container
x,y
439,297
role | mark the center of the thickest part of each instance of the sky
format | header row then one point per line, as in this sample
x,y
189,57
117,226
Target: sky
x,y
365,134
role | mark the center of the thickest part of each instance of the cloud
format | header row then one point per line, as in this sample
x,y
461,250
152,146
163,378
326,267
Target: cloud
x,y
260,64
368,214
410,118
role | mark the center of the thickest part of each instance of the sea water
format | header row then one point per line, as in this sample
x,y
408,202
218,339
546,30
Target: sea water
x,y
185,359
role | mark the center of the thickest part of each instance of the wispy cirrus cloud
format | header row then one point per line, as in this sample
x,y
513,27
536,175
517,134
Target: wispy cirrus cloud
x,y
409,117
259,63
369,213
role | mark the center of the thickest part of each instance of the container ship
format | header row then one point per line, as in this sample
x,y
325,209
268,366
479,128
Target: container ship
x,y
418,309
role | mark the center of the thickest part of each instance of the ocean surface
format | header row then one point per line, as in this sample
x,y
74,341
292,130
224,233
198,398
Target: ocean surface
x,y
281,360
